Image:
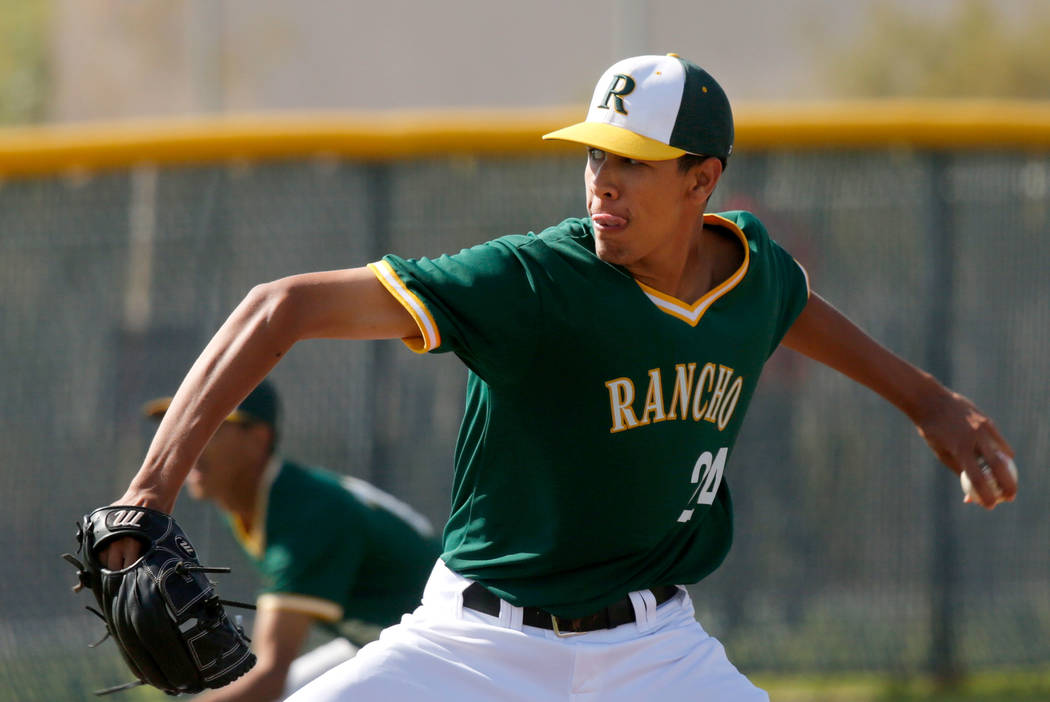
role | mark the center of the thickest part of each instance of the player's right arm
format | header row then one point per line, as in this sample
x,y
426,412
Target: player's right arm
x,y
955,429
343,304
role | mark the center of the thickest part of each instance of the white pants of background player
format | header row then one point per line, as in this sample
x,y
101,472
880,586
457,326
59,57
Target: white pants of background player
x,y
310,666
443,651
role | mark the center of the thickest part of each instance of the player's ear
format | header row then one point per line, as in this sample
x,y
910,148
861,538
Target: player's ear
x,y
262,435
703,177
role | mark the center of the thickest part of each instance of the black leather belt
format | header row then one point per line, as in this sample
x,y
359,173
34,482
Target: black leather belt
x,y
479,599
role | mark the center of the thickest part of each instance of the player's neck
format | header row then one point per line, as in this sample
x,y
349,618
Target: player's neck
x,y
242,502
702,262
246,520
719,256
242,509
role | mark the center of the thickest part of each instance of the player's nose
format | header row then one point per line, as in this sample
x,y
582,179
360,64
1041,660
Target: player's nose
x,y
604,180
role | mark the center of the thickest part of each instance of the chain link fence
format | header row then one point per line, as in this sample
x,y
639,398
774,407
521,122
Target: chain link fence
x,y
853,549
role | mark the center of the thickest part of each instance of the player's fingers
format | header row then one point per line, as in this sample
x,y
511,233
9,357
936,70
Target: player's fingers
x,y
980,479
999,464
111,557
121,553
998,438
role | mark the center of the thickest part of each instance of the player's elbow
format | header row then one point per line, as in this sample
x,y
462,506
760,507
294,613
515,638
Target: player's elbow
x,y
272,682
342,304
264,682
276,308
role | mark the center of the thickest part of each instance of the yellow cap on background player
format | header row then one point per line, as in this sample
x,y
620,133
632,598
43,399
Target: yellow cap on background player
x,y
656,108
261,405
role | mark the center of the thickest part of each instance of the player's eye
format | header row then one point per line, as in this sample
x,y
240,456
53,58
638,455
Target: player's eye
x,y
595,154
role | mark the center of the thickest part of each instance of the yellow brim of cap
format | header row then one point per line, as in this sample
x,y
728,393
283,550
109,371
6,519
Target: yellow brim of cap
x,y
616,140
155,409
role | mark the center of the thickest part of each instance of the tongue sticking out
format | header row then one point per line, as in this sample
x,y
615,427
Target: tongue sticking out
x,y
608,220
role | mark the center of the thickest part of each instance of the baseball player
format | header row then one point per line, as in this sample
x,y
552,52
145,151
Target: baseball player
x,y
610,360
333,550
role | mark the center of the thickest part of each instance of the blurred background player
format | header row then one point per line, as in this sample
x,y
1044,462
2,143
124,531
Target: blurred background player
x,y
333,550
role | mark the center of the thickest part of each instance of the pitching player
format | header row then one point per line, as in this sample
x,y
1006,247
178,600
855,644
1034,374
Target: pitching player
x,y
334,551
611,360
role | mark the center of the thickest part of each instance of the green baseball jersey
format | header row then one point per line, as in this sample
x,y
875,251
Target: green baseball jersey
x,y
600,413
336,547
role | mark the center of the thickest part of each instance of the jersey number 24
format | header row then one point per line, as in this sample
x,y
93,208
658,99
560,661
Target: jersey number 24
x,y
707,476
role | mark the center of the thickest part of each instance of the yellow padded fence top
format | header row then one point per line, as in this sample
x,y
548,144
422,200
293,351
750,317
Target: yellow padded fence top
x,y
948,124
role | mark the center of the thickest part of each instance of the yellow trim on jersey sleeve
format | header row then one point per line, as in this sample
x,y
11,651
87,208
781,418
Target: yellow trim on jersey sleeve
x,y
430,337
691,314
325,610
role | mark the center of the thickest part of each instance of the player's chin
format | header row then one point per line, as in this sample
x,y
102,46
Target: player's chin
x,y
611,253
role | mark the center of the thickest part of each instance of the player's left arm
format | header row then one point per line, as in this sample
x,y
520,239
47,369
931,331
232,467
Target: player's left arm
x,y
277,638
951,424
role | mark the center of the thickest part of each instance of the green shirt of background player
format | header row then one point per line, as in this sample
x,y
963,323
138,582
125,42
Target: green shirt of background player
x,y
333,550
648,242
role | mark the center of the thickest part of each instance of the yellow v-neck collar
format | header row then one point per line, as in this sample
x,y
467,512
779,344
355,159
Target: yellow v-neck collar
x,y
254,541
691,313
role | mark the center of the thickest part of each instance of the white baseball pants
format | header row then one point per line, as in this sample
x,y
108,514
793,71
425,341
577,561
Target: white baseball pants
x,y
310,666
443,651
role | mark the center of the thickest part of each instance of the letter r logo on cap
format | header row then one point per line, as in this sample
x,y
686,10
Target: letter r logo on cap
x,y
622,86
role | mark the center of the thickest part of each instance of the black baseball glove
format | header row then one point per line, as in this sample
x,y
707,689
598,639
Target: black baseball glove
x,y
162,610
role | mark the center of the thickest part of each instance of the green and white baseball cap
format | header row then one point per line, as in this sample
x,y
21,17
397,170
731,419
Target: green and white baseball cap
x,y
656,108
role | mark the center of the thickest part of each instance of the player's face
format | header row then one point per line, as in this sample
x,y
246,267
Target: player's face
x,y
221,468
641,210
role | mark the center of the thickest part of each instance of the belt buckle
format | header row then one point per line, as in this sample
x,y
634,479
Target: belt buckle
x,y
565,634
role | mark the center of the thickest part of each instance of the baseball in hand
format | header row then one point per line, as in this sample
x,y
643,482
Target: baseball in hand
x,y
967,486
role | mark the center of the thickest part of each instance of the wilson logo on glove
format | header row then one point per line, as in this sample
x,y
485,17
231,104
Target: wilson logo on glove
x,y
123,518
185,546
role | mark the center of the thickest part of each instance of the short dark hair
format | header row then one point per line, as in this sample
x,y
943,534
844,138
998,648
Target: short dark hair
x,y
687,161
